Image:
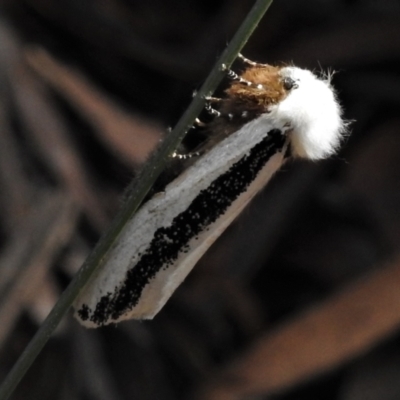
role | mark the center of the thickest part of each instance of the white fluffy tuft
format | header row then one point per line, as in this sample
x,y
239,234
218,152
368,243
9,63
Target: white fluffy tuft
x,y
313,114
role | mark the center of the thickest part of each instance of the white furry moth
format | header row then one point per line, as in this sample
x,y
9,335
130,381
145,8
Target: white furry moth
x,y
269,114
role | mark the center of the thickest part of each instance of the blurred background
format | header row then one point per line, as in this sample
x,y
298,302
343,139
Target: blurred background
x,y
299,299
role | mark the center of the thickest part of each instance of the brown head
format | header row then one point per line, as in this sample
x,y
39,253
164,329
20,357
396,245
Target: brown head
x,y
245,102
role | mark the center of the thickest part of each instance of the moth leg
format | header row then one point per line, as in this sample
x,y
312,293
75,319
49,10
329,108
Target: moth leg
x,y
198,123
233,75
215,100
186,156
211,110
215,112
249,62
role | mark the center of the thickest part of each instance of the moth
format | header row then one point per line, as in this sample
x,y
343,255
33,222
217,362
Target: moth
x,y
269,114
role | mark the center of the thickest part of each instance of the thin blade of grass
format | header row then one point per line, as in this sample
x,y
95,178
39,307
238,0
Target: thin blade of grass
x,y
138,190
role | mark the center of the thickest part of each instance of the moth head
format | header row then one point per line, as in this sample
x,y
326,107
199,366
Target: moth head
x,y
312,113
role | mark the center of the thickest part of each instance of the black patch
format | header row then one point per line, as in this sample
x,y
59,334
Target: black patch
x,y
169,242
289,83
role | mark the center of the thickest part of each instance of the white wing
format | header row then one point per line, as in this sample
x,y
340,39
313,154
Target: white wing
x,y
169,233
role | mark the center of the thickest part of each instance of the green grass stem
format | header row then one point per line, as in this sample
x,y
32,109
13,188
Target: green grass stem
x,y
138,190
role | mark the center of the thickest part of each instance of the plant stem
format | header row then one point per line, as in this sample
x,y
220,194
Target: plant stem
x,y
138,190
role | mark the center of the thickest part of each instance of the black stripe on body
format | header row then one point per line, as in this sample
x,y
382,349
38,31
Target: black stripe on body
x,y
169,242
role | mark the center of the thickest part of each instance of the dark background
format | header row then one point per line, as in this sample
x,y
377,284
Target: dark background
x,y
298,299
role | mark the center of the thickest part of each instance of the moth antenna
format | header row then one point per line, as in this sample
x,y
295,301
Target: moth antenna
x,y
233,75
249,62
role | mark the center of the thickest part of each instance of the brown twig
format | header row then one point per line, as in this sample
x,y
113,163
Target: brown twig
x,y
132,137
51,139
27,259
341,328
